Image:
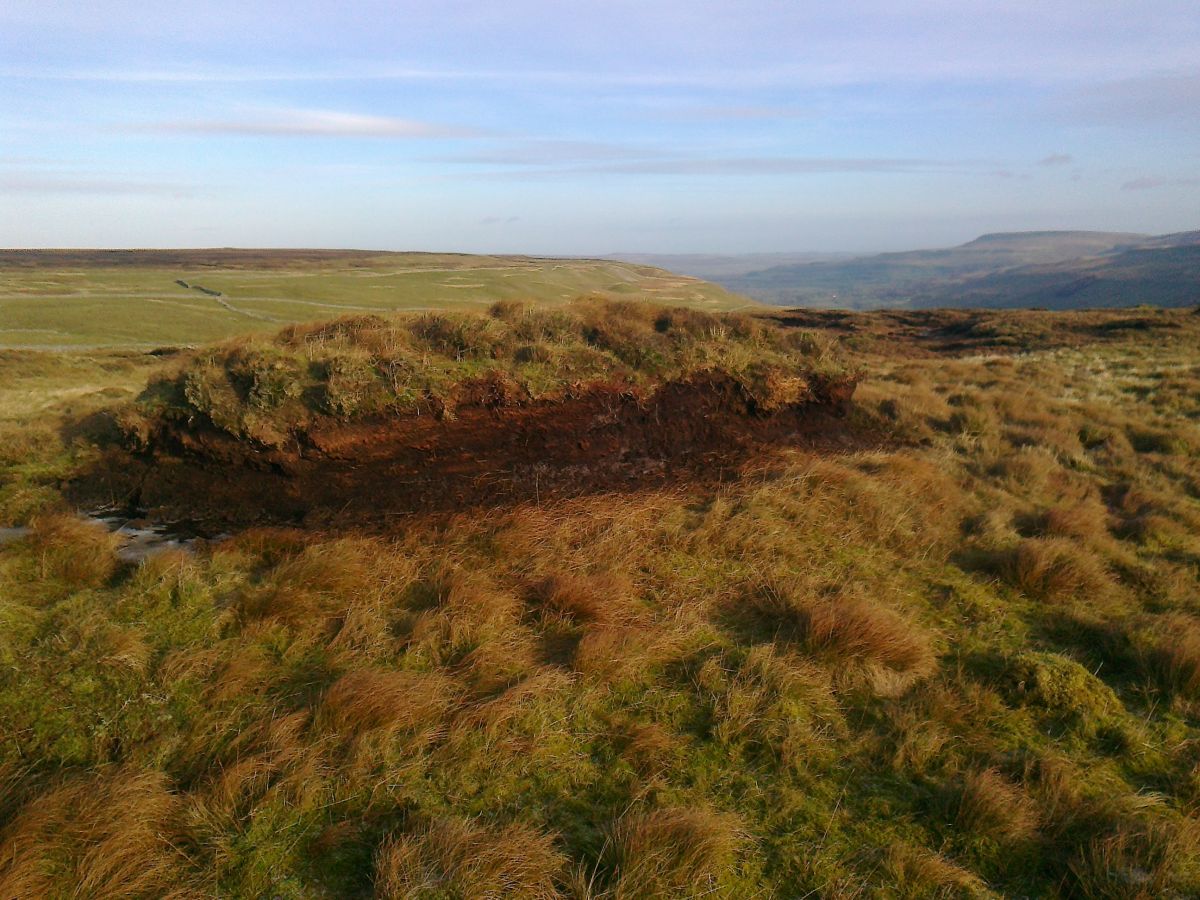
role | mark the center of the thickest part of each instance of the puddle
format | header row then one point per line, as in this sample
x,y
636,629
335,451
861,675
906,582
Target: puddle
x,y
139,538
8,535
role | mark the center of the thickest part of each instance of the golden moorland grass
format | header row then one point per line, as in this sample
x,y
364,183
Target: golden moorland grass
x,y
961,662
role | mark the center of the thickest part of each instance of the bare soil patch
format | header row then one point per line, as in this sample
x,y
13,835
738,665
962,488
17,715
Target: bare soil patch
x,y
495,449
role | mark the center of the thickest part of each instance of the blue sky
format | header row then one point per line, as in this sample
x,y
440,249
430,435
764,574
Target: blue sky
x,y
588,128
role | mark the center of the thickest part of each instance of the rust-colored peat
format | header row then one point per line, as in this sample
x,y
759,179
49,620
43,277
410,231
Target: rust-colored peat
x,y
494,450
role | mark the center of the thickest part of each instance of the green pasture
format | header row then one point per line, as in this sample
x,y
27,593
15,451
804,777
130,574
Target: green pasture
x,y
48,306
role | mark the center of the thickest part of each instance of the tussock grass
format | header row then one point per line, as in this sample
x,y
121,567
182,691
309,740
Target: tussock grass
x,y
960,663
921,872
648,747
665,851
457,857
770,703
1138,860
535,697
842,625
400,701
71,550
1174,655
1054,570
108,836
1085,521
600,599
614,653
265,391
993,807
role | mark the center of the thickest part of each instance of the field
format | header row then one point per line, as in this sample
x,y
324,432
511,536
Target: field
x,y
940,641
153,298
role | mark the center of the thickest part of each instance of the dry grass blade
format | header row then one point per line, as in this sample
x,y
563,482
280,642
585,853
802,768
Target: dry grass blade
x,y
367,699
671,850
457,857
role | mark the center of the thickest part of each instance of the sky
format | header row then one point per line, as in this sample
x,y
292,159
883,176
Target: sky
x,y
586,128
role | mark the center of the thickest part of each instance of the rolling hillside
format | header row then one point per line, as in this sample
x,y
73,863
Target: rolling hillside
x,y
132,298
717,267
1156,275
1060,269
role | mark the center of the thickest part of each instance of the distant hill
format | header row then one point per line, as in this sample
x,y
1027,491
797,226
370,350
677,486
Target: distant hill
x,y
1158,275
714,267
896,279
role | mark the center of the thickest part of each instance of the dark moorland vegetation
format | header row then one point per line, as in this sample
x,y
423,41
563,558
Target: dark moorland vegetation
x,y
961,659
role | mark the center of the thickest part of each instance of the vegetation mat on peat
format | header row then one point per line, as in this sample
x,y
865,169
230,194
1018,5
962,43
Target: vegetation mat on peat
x,y
962,660
375,417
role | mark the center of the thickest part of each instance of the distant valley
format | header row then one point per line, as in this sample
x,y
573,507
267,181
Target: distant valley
x,y
1050,269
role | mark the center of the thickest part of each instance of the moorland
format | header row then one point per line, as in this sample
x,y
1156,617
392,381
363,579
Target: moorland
x,y
597,597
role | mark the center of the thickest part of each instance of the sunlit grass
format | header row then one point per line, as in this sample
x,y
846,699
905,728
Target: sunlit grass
x,y
965,662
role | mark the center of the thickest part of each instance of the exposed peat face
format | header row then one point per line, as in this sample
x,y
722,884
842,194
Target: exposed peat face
x,y
497,447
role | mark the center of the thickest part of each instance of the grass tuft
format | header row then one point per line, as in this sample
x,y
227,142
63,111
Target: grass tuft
x,y
1054,570
671,850
72,550
456,857
401,701
991,806
842,626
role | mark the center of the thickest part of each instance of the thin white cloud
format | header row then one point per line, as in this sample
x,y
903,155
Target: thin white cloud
x,y
1149,183
311,123
553,152
1172,98
781,166
213,75
746,112
749,166
1093,98
671,109
1056,159
709,43
26,183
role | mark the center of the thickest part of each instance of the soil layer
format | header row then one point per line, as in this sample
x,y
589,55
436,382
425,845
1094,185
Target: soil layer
x,y
493,449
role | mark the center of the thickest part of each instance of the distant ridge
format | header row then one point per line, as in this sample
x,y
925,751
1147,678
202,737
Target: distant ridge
x,y
715,266
1100,237
1165,275
1053,269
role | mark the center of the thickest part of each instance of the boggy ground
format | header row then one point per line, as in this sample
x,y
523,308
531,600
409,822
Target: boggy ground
x,y
423,414
496,450
600,439
964,662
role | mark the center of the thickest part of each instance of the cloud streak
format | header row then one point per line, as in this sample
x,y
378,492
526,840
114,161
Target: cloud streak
x,y
312,123
553,152
1171,99
1150,183
750,166
22,183
780,166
